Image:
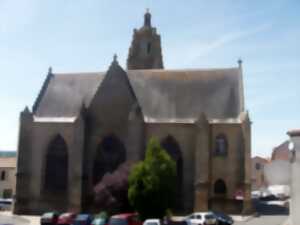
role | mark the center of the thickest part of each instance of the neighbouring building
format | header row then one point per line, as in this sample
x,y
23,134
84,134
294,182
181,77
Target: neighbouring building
x,y
295,181
281,152
277,171
258,175
83,125
7,174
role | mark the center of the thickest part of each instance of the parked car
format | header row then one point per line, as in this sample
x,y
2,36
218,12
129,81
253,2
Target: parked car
x,y
66,218
49,218
83,219
99,221
152,222
125,219
270,197
5,204
165,222
223,219
202,218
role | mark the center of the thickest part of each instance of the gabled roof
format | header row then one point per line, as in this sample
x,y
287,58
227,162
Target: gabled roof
x,y
163,95
184,94
65,94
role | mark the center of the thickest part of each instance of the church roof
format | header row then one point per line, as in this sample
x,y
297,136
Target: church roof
x,y
65,94
184,94
164,95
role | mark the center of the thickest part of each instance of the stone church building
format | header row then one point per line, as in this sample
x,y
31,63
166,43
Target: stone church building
x,y
83,125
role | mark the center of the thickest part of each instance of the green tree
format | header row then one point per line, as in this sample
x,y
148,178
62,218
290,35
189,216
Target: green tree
x,y
152,183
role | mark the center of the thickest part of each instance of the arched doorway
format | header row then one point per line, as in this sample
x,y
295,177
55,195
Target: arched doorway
x,y
220,188
56,169
172,147
110,154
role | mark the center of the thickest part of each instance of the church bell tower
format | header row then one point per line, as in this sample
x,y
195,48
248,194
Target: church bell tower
x,y
145,50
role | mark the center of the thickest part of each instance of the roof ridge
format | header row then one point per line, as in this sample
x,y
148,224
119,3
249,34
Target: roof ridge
x,y
187,69
79,73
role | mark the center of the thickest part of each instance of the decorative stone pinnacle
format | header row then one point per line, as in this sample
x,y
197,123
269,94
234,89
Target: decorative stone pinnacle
x,y
240,62
115,58
147,19
50,70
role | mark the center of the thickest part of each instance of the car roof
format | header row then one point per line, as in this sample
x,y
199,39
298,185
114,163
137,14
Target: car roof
x,y
153,220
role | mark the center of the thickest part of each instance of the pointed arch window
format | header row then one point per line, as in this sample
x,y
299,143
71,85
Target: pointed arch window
x,y
3,175
173,149
56,171
148,48
110,154
221,145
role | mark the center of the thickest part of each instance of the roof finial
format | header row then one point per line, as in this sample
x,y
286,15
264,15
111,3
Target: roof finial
x,y
115,60
50,70
147,18
240,62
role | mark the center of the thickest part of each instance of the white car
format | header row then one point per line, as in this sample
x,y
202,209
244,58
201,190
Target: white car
x,y
152,222
202,218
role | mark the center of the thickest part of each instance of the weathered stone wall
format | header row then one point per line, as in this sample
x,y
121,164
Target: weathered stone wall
x,y
35,198
184,134
229,167
113,111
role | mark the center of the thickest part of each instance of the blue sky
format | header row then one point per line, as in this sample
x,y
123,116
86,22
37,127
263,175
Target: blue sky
x,y
83,35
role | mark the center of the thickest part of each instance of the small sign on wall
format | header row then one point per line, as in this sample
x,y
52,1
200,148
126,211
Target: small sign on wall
x,y
239,194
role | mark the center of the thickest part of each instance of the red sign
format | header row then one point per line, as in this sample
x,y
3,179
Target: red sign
x,y
239,195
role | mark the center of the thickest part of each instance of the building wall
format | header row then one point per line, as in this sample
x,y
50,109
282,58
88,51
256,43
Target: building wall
x,y
258,176
295,181
229,168
31,196
281,152
7,182
184,134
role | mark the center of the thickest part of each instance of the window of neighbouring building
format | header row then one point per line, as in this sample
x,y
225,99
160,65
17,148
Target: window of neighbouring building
x,y
3,175
257,166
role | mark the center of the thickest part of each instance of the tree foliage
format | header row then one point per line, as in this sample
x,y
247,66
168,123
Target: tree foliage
x,y
110,194
152,183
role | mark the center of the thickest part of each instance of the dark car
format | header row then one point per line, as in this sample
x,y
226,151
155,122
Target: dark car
x,y
125,219
83,219
49,218
66,218
269,198
223,219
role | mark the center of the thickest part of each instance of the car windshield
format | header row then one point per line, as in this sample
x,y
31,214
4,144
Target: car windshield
x,y
198,217
152,223
117,221
209,216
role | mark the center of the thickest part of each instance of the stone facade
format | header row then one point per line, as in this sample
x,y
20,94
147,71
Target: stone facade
x,y
258,175
89,123
7,177
295,182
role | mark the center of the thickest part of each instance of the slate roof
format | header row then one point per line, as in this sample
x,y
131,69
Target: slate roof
x,y
184,94
164,95
65,94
